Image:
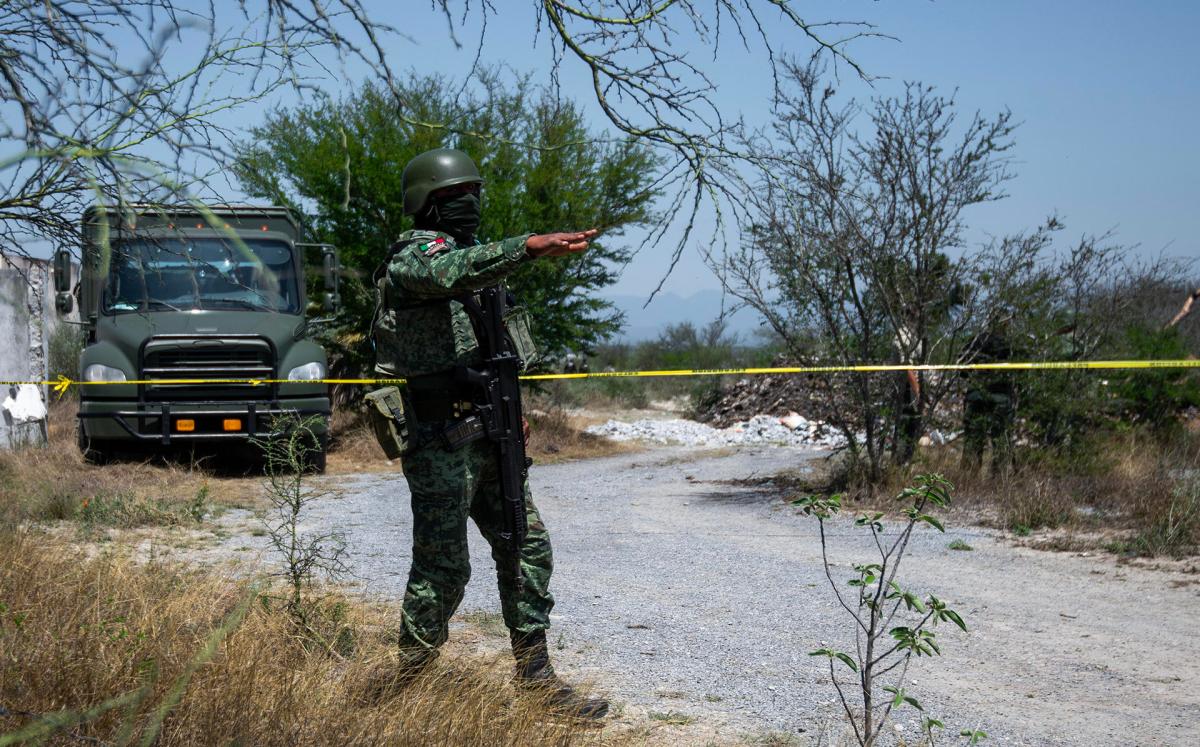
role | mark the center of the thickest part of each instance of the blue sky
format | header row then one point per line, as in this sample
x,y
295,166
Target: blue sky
x,y
1107,93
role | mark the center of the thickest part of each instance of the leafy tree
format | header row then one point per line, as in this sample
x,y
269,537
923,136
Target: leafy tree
x,y
339,164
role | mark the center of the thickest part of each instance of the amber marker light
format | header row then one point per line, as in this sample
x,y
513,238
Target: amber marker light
x,y
185,425
232,424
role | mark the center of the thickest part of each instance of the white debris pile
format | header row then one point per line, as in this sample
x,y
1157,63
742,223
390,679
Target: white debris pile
x,y
793,430
27,406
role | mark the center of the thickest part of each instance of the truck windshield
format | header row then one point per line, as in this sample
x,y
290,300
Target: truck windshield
x,y
182,274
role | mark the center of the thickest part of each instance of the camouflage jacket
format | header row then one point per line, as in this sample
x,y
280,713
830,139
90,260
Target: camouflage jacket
x,y
419,328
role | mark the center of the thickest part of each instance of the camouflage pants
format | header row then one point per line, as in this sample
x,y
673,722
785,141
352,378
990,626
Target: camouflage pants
x,y
447,487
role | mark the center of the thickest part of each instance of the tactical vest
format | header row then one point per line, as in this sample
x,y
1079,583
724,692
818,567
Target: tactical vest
x,y
422,337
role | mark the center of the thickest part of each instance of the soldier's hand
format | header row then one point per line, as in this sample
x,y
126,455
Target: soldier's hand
x,y
525,431
558,244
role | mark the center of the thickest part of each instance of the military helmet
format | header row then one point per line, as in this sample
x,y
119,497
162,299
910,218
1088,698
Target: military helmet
x,y
434,169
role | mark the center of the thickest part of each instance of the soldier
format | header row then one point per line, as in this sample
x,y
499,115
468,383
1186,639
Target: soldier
x,y
422,333
989,406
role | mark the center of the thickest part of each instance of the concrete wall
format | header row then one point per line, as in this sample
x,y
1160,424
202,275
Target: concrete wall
x,y
27,321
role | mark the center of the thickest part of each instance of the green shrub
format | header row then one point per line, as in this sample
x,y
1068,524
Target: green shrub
x,y
1156,396
65,345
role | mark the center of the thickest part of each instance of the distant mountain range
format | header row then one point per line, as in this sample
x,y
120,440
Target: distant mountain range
x,y
699,308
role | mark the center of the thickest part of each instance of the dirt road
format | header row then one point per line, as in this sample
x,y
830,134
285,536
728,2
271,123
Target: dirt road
x,y
690,600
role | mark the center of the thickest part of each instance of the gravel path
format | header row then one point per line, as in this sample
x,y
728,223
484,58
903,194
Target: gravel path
x,y
677,592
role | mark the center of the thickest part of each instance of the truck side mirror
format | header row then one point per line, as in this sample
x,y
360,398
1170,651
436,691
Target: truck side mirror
x,y
332,272
63,301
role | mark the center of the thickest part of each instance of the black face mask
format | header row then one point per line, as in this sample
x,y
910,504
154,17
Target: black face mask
x,y
457,215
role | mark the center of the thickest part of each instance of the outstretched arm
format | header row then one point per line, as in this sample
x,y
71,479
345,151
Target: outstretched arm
x,y
424,271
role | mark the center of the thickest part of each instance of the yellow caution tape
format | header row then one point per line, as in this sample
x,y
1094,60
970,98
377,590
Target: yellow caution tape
x,y
62,383
1029,366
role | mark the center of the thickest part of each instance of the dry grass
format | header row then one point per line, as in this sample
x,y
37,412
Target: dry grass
x,y
52,483
1135,494
94,645
55,483
352,445
556,436
201,659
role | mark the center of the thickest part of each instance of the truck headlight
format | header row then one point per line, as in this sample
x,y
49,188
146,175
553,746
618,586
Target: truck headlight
x,y
101,372
307,372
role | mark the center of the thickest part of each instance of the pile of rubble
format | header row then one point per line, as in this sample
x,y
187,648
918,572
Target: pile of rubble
x,y
776,394
792,430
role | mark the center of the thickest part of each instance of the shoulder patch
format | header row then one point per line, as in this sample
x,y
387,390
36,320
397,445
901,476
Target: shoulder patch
x,y
431,248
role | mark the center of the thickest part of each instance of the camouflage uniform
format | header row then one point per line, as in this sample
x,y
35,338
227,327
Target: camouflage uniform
x,y
422,333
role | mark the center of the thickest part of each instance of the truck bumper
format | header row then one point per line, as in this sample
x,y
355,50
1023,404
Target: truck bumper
x,y
171,422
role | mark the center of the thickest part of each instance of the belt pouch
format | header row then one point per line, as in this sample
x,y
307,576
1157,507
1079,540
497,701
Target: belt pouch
x,y
385,410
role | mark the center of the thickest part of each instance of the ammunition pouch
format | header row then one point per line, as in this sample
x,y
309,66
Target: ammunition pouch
x,y
385,410
462,432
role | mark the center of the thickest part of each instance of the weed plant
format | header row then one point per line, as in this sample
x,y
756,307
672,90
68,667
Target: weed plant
x,y
303,555
892,624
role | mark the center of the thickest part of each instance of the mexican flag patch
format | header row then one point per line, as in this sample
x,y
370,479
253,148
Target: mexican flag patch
x,y
433,247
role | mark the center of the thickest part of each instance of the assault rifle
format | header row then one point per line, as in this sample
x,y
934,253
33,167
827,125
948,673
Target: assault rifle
x,y
499,409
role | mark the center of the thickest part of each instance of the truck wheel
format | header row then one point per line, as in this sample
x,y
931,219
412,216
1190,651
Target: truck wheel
x,y
315,459
94,450
312,457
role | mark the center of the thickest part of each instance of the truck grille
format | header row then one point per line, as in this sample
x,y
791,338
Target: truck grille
x,y
207,358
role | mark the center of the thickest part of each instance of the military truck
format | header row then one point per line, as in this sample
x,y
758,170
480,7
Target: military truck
x,y
196,293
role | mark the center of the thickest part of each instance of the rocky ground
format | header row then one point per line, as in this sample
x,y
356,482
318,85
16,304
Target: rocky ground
x,y
692,599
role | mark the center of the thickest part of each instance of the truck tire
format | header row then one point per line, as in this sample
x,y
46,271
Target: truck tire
x,y
316,458
94,450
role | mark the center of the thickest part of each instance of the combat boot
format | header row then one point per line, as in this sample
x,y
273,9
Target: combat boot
x,y
398,671
535,674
